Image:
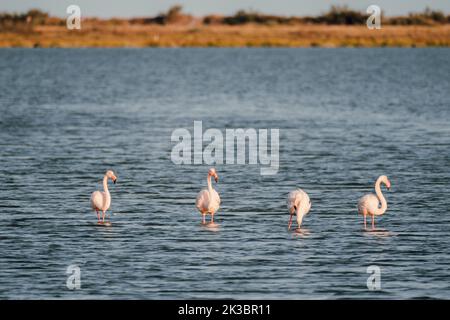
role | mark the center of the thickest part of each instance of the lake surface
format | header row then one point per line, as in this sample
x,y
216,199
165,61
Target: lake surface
x,y
345,117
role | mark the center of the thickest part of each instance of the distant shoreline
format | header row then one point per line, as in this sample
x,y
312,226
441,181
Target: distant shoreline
x,y
250,35
339,27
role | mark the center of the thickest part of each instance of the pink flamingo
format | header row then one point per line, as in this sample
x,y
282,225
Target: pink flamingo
x,y
298,203
208,200
370,203
101,201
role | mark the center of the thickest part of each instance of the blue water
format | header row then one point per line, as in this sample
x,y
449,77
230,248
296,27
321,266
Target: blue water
x,y
345,117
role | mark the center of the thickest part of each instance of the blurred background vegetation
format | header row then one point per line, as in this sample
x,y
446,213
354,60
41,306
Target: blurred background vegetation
x,y
340,26
337,15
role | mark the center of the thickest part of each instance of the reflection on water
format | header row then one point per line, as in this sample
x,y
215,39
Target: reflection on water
x,y
379,233
345,116
104,224
301,232
211,226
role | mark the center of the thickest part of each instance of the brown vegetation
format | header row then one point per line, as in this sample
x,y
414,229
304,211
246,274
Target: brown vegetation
x,y
339,27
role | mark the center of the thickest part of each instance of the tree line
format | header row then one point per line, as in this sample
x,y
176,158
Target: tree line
x,y
337,15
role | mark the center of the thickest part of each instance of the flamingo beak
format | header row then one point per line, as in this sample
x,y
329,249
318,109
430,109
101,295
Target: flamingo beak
x,y
216,178
114,180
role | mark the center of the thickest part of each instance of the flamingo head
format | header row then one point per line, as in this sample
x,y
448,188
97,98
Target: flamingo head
x,y
212,172
386,181
110,174
292,209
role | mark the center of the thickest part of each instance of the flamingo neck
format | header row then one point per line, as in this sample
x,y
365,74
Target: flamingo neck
x,y
210,188
380,197
105,184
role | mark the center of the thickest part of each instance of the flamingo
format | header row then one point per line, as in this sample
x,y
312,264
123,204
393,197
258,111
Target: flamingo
x,y
208,200
370,203
298,203
101,201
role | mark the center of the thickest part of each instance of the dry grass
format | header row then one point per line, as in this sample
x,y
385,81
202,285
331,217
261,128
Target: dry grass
x,y
93,35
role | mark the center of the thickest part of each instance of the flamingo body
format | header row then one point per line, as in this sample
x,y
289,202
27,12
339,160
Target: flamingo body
x,y
206,204
369,204
100,201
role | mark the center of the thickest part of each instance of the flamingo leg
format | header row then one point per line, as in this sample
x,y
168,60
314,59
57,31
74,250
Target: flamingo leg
x,y
373,222
365,222
212,217
103,218
203,219
98,216
290,222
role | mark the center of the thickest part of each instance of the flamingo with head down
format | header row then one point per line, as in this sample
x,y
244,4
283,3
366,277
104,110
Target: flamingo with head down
x,y
370,203
208,200
101,201
298,203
